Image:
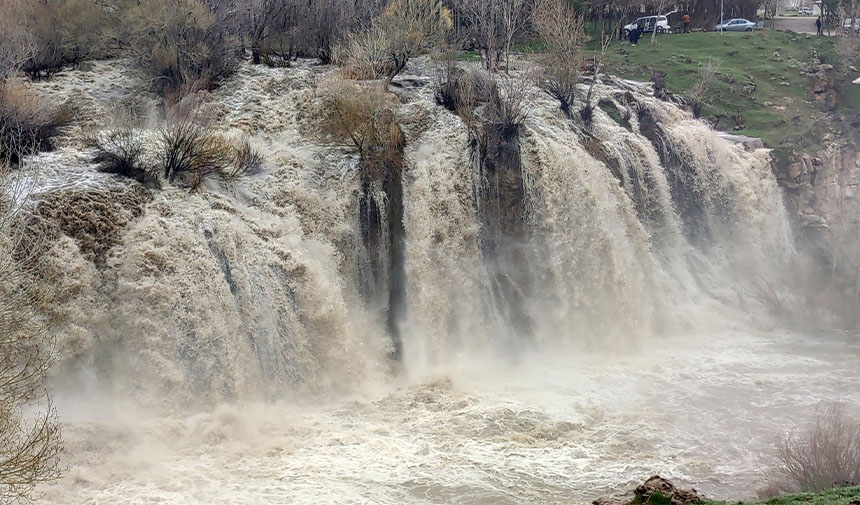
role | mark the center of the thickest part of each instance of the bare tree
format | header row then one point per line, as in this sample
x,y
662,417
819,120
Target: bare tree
x,y
563,32
700,87
410,27
659,6
599,60
483,29
265,20
30,442
515,15
492,26
16,44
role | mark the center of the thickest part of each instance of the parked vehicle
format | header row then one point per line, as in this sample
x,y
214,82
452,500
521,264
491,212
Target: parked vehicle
x,y
804,11
736,25
647,24
847,25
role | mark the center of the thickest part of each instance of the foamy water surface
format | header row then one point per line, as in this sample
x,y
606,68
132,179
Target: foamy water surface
x,y
559,429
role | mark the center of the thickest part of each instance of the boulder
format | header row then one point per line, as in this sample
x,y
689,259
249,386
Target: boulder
x,y
656,491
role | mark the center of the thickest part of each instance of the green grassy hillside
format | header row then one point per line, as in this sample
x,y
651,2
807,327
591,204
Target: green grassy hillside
x,y
842,496
762,78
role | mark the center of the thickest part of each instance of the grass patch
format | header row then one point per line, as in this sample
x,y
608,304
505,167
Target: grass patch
x,y
841,496
472,56
762,79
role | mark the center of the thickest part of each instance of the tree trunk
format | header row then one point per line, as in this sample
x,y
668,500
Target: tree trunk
x,y
399,65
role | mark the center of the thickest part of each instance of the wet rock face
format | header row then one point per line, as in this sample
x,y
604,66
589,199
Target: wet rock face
x,y
501,202
823,197
656,491
382,232
822,86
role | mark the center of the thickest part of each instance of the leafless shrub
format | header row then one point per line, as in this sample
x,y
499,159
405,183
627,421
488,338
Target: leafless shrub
x,y
448,75
246,161
63,32
700,87
190,153
30,444
493,111
563,32
363,55
403,29
825,455
364,119
28,122
508,106
181,46
121,151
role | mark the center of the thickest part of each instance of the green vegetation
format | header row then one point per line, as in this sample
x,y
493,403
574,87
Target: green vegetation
x,y
761,86
840,496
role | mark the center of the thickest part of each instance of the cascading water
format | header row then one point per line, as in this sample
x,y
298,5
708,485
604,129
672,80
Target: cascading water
x,y
621,236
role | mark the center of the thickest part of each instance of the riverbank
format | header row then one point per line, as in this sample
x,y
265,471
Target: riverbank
x,y
839,496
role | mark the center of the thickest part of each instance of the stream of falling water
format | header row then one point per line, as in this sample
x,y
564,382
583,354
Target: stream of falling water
x,y
220,350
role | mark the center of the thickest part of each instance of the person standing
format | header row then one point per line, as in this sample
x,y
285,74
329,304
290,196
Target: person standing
x,y
818,24
634,35
686,19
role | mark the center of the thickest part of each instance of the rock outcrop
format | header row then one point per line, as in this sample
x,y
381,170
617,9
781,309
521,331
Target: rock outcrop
x,y
656,491
823,196
822,86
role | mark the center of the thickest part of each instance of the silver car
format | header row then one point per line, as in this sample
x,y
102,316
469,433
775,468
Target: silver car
x,y
736,25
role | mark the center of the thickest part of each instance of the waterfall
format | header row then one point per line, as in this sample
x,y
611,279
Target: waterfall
x,y
309,279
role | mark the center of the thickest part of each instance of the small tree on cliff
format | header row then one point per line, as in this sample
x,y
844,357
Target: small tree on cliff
x,y
563,32
411,27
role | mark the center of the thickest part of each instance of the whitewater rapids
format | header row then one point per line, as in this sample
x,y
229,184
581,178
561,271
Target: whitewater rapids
x,y
547,430
217,346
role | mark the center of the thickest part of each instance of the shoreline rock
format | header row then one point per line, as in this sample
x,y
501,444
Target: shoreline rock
x,y
655,491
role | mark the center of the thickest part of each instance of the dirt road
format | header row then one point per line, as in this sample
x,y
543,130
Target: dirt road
x,y
796,24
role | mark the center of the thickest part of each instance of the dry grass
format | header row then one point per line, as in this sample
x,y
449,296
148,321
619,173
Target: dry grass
x,y
825,455
28,123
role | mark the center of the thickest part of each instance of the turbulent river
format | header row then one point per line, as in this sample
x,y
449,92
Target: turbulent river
x,y
547,330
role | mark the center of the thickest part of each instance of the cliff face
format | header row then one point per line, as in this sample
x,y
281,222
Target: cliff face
x,y
823,197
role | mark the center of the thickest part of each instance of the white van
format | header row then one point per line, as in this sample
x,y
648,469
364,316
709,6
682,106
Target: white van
x,y
647,24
